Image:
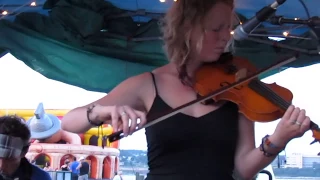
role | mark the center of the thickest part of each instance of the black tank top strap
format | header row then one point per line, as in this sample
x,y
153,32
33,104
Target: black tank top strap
x,y
154,83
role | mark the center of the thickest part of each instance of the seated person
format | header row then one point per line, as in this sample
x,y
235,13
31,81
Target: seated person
x,y
14,145
46,128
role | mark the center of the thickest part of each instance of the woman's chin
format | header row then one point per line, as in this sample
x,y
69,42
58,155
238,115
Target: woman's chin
x,y
212,58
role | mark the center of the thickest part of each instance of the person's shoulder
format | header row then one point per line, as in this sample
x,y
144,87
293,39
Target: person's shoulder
x,y
75,163
38,173
144,79
138,79
136,84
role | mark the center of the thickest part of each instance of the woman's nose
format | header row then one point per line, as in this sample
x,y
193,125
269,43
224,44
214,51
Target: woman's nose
x,y
225,35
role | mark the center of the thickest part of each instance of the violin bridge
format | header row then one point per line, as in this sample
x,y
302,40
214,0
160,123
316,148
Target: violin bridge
x,y
242,73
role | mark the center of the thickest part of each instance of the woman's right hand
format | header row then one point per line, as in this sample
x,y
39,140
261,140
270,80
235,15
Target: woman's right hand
x,y
123,118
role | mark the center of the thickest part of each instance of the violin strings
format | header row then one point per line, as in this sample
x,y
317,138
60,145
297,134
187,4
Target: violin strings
x,y
269,93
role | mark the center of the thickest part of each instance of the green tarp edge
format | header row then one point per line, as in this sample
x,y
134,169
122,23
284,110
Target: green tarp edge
x,y
98,62
72,65
61,62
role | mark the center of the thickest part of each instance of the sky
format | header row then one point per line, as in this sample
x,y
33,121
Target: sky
x,y
23,88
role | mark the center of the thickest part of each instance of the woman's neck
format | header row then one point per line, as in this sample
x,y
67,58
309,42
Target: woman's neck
x,y
192,68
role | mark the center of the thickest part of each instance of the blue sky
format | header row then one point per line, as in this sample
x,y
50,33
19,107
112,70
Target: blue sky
x,y
23,88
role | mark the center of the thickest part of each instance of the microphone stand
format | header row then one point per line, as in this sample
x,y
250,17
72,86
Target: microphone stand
x,y
313,23
244,31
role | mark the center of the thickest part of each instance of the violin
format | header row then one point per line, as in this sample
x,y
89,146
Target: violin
x,y
235,79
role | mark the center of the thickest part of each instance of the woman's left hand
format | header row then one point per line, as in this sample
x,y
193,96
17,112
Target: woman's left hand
x,y
293,124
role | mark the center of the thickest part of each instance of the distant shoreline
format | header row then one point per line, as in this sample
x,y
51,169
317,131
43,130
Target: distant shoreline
x,y
299,178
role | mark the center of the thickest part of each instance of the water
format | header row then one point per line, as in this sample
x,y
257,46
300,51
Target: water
x,y
297,178
131,177
128,177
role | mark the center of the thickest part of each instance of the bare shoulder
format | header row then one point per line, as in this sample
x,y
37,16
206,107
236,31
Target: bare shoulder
x,y
128,92
166,71
136,82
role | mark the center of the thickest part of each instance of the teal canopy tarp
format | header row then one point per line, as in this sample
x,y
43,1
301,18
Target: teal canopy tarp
x,y
95,45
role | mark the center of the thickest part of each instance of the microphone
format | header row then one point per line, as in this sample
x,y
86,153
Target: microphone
x,y
242,31
279,20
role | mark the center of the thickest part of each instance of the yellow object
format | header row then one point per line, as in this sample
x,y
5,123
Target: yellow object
x,y
29,113
95,132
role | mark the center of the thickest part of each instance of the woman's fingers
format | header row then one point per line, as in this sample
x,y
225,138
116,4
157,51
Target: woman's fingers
x,y
115,118
288,112
142,119
128,118
294,115
305,125
133,119
125,120
301,117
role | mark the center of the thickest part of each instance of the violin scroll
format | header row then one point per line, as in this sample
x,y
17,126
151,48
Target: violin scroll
x,y
315,132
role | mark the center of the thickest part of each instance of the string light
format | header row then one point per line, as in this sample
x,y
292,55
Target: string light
x,y
232,32
286,33
4,13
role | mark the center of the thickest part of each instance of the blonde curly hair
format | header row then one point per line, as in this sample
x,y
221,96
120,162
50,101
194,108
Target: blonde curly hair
x,y
177,30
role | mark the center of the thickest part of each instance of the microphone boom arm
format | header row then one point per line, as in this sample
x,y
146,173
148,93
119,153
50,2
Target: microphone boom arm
x,y
243,30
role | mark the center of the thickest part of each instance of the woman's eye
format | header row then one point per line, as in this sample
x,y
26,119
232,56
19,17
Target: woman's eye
x,y
216,29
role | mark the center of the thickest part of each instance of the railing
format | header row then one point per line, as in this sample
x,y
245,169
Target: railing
x,y
60,175
265,175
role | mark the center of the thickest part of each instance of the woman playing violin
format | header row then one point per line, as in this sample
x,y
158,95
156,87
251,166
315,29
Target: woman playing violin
x,y
203,141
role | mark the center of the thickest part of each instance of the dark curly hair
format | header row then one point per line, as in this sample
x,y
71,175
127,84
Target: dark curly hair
x,y
15,126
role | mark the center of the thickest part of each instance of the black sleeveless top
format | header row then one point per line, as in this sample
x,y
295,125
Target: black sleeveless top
x,y
183,147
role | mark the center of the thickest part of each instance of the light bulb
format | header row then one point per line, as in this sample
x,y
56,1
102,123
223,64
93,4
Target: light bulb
x,y
4,12
285,33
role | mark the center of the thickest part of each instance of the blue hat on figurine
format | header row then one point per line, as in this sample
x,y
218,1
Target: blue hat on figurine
x,y
43,125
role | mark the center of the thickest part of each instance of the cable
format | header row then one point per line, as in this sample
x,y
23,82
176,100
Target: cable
x,y
305,8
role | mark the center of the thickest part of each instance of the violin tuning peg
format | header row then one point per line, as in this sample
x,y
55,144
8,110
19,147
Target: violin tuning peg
x,y
314,141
